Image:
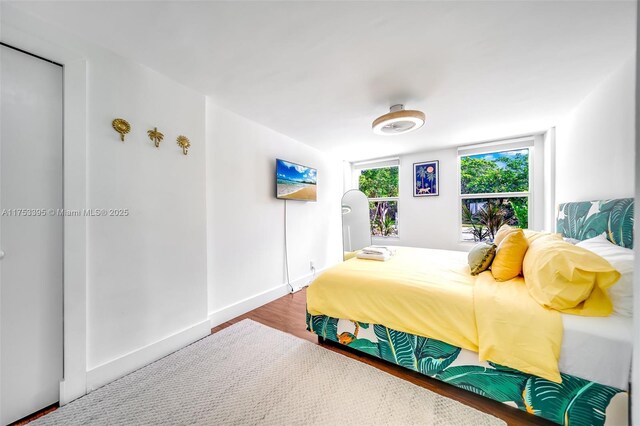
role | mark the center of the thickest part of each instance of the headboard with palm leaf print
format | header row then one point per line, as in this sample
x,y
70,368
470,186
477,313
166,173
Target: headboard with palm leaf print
x,y
588,219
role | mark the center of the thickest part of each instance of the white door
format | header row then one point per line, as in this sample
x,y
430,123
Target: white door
x,y
30,236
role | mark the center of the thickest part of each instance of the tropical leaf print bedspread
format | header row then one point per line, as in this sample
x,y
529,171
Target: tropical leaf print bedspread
x,y
575,401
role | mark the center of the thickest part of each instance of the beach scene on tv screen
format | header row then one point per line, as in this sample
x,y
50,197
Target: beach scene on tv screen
x,y
296,182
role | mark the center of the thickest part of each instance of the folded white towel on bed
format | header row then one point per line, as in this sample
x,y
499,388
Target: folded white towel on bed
x,y
373,256
390,249
376,253
379,250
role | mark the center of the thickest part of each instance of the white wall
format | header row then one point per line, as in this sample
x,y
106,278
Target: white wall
x,y
147,272
595,143
246,221
428,221
144,274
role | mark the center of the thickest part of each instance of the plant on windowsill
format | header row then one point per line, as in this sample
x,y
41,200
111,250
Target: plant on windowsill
x,y
486,222
383,226
382,221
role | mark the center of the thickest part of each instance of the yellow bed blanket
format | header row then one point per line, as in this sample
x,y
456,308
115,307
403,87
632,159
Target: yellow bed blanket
x,y
431,293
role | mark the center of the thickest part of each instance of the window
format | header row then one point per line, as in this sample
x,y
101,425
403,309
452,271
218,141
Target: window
x,y
494,189
379,182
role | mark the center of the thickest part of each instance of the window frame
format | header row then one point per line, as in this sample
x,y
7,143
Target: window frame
x,y
527,142
357,168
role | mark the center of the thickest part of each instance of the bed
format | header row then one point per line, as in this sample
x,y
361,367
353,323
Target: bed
x,y
595,355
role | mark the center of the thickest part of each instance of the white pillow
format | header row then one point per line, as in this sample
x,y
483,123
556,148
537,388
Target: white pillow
x,y
571,240
621,258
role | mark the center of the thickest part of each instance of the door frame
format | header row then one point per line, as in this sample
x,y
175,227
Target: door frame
x,y
74,186
74,69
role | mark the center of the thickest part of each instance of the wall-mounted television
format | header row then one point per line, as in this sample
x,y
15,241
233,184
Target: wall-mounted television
x,y
295,182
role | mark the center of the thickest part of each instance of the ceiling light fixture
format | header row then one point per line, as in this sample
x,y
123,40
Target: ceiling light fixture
x,y
398,121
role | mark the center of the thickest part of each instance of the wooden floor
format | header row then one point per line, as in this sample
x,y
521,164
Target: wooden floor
x,y
289,314
36,415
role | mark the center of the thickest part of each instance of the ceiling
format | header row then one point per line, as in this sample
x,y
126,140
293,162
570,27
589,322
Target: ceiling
x,y
320,72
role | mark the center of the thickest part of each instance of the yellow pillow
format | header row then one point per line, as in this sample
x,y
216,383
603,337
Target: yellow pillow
x,y
508,261
535,235
568,278
502,233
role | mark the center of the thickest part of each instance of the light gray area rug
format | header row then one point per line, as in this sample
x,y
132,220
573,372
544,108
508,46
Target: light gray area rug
x,y
250,374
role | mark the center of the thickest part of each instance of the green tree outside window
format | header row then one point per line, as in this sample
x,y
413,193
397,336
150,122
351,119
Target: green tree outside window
x,y
381,185
494,173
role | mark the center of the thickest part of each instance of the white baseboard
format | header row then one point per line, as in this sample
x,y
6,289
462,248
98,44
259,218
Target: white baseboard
x,y
302,282
250,303
119,367
70,391
245,305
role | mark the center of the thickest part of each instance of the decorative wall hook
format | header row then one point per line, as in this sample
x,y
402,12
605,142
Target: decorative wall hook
x,y
121,126
183,142
155,136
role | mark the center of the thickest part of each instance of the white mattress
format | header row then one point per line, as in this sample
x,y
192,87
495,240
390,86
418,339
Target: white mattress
x,y
598,349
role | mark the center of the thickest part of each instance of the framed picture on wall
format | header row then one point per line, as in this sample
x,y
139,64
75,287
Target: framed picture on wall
x,y
426,179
